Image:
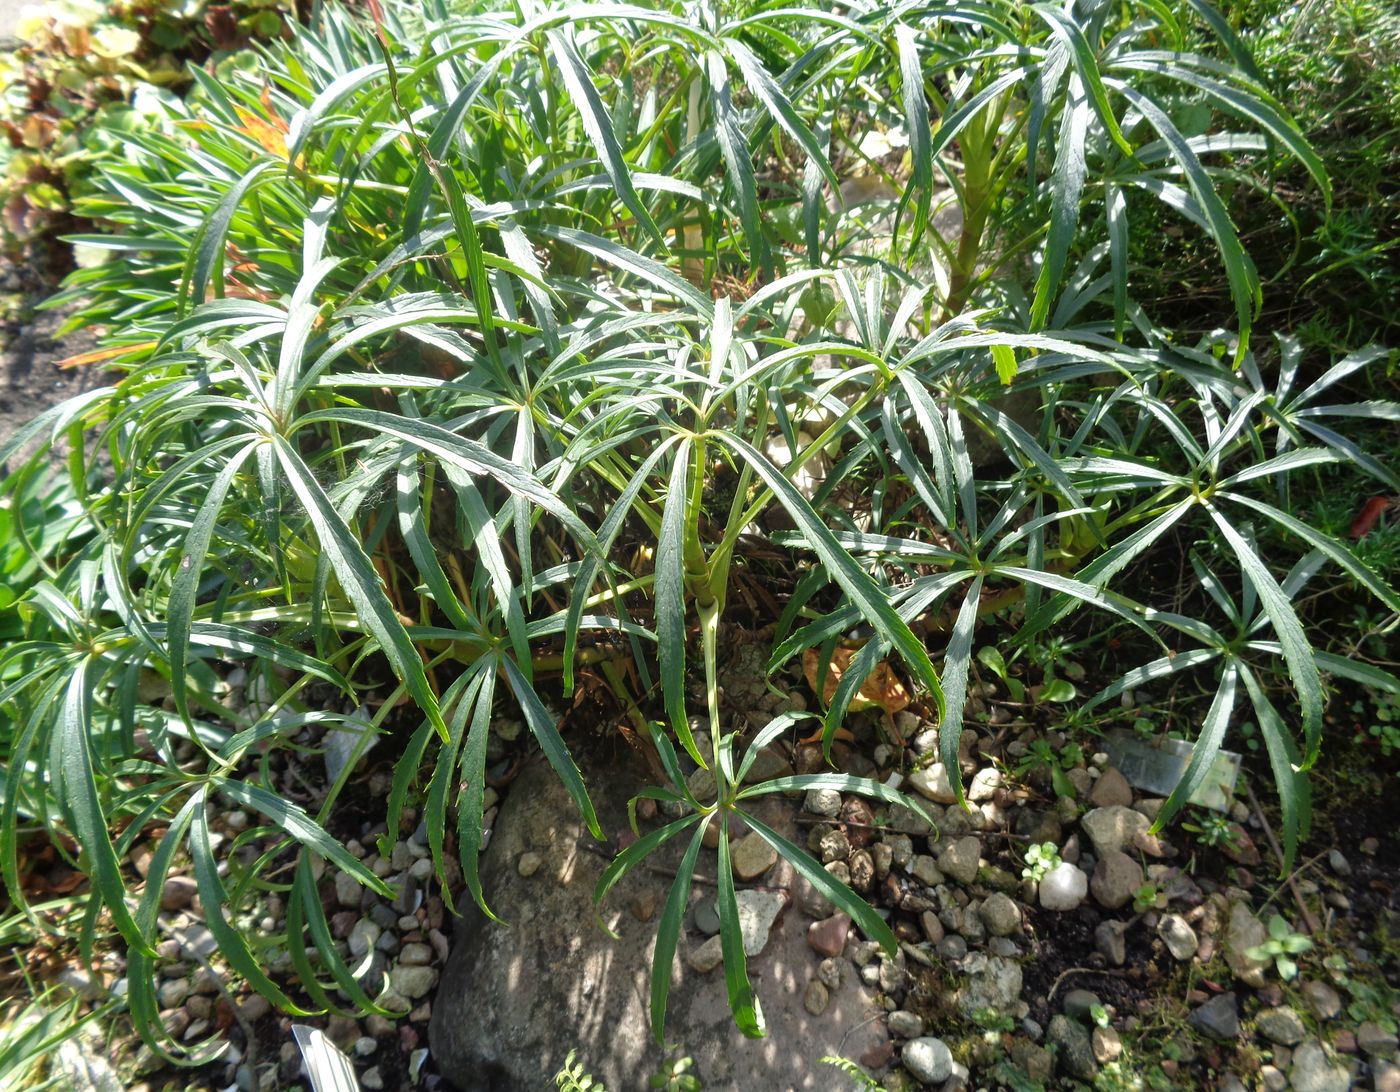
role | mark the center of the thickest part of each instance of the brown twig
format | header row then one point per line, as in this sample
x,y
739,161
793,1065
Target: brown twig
x,y
1107,972
1309,922
839,822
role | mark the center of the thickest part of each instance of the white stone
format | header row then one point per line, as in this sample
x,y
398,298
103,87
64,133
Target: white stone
x,y
1063,888
757,912
932,782
825,802
929,1060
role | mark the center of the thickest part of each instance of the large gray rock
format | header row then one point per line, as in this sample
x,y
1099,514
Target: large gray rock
x,y
1243,933
1074,1048
1116,880
1113,828
515,1000
929,1060
1314,1071
993,986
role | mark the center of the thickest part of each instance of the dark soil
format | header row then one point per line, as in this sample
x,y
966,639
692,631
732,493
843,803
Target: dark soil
x,y
30,379
1064,958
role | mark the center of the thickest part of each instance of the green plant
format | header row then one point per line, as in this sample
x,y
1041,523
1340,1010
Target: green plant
x,y
444,369
675,1075
85,74
1374,1000
1283,944
720,803
991,658
1212,829
1041,858
575,1078
994,1023
1116,1076
1041,755
862,1079
30,1034
1147,897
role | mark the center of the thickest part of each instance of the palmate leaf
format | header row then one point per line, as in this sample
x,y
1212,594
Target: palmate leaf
x,y
771,94
860,668
1239,269
956,661
546,733
869,922
214,896
872,602
471,801
911,79
360,582
141,980
1086,67
307,917
295,822
730,136
845,783
1066,185
76,789
1297,649
1206,747
629,261
634,854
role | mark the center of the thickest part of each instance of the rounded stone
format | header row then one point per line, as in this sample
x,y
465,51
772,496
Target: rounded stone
x,y
707,956
1000,915
1180,938
933,784
705,917
1314,1071
1107,1045
1063,888
1281,1025
1081,1003
828,936
1113,828
1218,1018
928,1060
959,859
751,857
1117,878
1074,1047
1111,790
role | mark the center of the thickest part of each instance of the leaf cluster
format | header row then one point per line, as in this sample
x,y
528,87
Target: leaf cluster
x,y
455,355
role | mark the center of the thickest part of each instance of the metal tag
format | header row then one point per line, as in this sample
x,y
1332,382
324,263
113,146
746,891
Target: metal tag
x,y
1158,768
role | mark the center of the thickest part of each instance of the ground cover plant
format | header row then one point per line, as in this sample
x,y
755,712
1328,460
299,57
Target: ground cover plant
x,y
83,74
460,354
